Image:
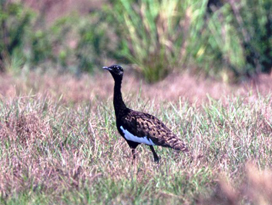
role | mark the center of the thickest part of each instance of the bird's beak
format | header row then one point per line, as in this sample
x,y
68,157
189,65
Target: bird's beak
x,y
107,68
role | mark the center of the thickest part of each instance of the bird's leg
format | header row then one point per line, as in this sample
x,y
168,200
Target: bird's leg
x,y
133,154
156,158
133,146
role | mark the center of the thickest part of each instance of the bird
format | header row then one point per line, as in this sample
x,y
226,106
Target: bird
x,y
139,127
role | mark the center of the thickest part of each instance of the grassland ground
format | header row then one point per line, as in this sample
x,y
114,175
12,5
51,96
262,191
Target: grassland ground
x,y
59,144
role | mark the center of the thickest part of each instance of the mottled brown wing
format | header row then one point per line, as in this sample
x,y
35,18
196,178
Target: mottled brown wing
x,y
143,124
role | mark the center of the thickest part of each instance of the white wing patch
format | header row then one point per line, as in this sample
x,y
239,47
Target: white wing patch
x,y
133,138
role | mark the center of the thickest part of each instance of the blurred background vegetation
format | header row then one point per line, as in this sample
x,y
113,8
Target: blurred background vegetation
x,y
224,39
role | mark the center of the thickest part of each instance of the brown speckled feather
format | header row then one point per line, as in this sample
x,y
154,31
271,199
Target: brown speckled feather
x,y
145,125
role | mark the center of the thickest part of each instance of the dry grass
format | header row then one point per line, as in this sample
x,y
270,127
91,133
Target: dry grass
x,y
53,9
255,188
70,89
59,144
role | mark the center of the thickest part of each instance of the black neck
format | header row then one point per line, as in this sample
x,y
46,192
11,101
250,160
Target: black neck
x,y
119,105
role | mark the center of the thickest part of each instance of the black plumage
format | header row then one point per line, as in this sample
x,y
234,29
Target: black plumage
x,y
137,127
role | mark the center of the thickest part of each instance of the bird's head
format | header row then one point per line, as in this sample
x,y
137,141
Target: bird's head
x,y
115,70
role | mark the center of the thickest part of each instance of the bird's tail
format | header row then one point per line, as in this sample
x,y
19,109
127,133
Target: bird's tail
x,y
178,144
181,146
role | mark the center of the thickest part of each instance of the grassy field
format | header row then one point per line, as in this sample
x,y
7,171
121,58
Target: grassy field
x,y
59,145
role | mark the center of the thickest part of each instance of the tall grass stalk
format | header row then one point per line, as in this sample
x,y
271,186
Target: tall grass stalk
x,y
233,40
153,34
